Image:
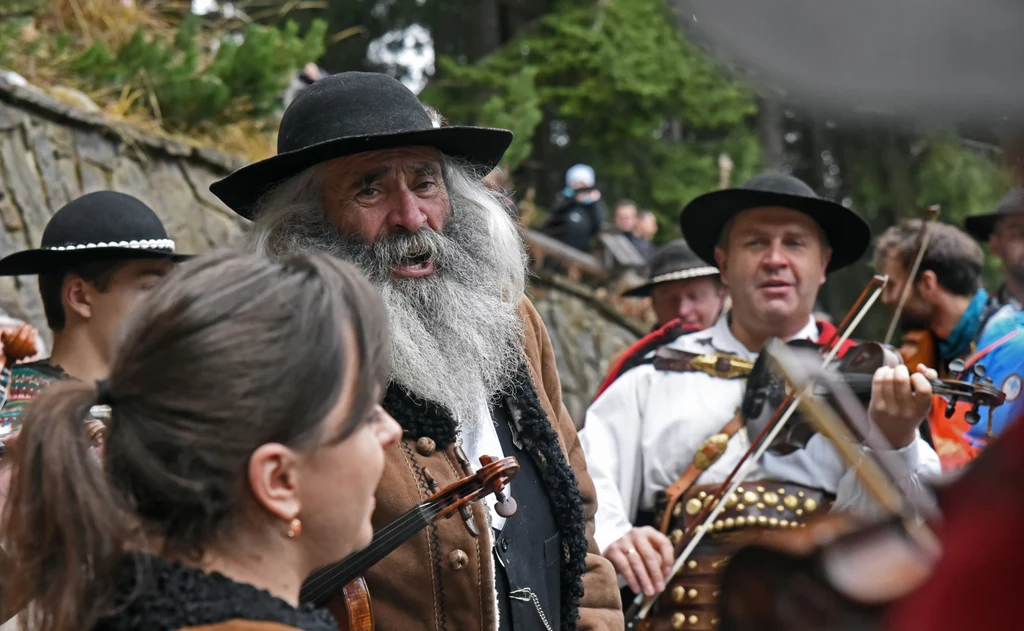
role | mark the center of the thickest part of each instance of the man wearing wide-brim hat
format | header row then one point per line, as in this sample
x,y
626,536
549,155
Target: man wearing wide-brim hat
x,y
99,255
367,173
1003,231
686,295
665,434
681,286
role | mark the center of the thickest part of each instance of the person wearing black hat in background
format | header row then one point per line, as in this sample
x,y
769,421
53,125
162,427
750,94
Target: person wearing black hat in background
x,y
99,255
1003,231
686,296
366,173
665,435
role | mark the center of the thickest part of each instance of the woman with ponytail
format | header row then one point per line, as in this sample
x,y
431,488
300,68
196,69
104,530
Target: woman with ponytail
x,y
243,449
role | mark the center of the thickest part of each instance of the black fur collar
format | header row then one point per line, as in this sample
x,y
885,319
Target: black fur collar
x,y
161,596
421,418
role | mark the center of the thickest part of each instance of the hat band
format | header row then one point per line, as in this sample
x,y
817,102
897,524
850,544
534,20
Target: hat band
x,y
684,274
146,244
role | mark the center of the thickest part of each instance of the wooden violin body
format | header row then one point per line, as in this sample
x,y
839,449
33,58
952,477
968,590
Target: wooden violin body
x,y
918,347
352,609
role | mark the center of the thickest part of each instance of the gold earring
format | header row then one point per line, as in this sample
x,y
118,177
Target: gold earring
x,y
294,528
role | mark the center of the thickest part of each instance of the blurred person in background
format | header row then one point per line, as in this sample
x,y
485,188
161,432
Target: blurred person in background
x,y
627,223
646,228
1003,231
578,213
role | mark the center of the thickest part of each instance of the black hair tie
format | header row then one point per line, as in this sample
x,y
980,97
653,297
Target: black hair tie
x,y
103,395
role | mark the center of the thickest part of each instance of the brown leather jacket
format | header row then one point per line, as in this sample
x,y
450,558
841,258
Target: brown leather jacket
x,y
443,578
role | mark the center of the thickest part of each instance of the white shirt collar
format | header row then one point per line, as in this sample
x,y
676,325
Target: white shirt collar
x,y
723,340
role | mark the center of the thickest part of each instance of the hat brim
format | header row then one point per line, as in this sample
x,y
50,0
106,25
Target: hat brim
x,y
702,221
981,226
242,189
643,291
42,261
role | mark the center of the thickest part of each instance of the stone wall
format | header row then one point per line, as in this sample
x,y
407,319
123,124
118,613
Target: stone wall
x,y
586,336
51,153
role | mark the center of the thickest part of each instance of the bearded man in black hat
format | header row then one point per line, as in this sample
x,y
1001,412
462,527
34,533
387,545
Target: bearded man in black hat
x,y
665,434
365,172
100,254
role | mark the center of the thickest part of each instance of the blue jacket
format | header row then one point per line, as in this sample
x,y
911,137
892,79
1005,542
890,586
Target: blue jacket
x,y
1004,364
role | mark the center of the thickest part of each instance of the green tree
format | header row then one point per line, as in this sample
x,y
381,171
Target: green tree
x,y
627,94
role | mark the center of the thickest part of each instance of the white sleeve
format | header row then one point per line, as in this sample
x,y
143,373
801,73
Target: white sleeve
x,y
611,442
914,465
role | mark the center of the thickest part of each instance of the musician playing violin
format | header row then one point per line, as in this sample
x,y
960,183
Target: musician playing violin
x,y
366,173
948,301
672,428
243,449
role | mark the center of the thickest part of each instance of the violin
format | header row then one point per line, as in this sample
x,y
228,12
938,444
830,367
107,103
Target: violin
x,y
771,433
636,614
856,370
841,573
340,586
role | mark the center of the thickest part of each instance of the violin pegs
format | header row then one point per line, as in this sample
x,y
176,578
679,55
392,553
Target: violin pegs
x,y
979,371
463,461
957,366
506,505
951,407
431,482
973,417
467,519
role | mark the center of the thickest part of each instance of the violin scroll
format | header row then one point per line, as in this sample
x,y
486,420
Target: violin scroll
x,y
19,343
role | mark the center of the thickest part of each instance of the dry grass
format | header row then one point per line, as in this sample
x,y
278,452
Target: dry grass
x,y
114,22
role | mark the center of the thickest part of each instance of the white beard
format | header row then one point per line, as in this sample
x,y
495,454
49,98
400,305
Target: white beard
x,y
456,337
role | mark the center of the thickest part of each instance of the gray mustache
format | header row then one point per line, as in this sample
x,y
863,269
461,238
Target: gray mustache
x,y
394,249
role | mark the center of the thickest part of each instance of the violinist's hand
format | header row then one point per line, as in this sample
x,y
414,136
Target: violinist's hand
x,y
900,401
643,556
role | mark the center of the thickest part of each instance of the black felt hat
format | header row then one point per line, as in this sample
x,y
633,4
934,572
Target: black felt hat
x,y
981,226
100,226
703,219
348,113
671,262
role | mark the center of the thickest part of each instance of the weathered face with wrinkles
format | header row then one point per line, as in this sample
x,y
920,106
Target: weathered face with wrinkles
x,y
440,248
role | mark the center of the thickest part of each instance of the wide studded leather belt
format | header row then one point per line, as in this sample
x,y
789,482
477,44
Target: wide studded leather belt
x,y
690,599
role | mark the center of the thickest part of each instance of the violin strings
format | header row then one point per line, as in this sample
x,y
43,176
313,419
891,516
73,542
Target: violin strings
x,y
335,576
324,580
411,520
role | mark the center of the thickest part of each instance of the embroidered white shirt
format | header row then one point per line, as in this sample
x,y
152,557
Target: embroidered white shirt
x,y
641,434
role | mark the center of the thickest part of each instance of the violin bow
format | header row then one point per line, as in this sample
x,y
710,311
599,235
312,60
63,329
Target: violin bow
x,y
876,474
642,605
931,215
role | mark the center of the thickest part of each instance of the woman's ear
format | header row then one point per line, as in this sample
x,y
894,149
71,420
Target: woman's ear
x,y
274,480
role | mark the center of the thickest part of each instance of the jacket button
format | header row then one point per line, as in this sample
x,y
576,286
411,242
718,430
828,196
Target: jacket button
x,y
504,545
426,447
457,559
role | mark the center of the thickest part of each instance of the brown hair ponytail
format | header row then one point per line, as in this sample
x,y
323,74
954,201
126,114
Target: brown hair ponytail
x,y
57,487
231,352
